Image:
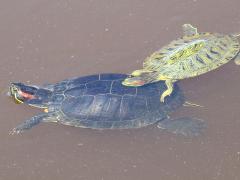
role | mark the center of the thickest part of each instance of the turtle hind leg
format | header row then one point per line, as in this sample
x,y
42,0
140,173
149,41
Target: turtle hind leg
x,y
189,127
28,124
189,30
168,92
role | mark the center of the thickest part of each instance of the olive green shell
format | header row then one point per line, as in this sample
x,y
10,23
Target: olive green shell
x,y
190,56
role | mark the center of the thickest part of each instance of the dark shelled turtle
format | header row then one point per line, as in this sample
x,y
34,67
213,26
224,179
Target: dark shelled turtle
x,y
102,102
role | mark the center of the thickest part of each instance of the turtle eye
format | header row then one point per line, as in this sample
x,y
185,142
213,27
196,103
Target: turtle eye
x,y
13,90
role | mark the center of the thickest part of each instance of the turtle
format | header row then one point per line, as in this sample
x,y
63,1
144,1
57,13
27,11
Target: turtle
x,y
101,102
193,54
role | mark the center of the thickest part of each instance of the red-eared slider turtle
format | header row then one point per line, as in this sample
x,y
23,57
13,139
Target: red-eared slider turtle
x,y
192,55
102,102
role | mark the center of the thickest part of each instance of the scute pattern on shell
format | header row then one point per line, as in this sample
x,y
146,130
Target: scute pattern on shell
x,y
190,56
101,101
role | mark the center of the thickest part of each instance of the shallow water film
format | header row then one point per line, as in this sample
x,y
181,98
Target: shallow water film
x,y
48,41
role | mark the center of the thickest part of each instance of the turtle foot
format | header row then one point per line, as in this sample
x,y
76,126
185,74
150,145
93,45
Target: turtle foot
x,y
28,124
15,131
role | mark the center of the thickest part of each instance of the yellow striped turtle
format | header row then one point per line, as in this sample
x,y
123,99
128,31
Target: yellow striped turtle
x,y
192,55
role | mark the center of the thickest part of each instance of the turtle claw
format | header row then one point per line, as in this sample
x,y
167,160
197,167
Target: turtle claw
x,y
19,129
162,99
15,131
28,124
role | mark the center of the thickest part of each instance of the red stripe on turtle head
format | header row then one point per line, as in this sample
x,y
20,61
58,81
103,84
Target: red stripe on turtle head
x,y
26,95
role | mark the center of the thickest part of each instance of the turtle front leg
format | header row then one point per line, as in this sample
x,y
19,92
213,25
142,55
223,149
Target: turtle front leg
x,y
168,92
237,59
28,124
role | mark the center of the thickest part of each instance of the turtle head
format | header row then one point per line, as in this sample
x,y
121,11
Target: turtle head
x,y
21,92
31,95
139,78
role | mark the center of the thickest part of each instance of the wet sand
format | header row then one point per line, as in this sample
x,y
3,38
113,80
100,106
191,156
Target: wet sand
x,y
47,41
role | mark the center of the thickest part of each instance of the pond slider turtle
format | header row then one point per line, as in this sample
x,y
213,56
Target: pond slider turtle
x,y
102,102
192,55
